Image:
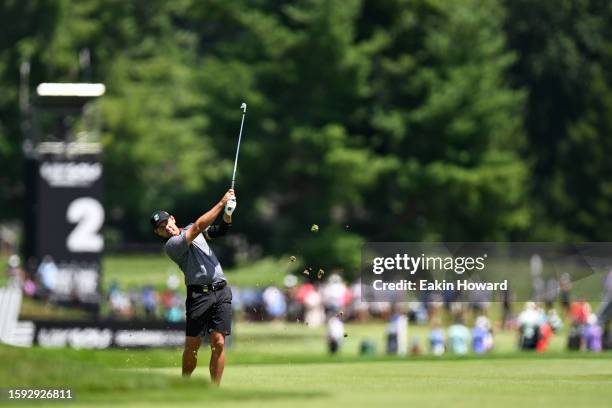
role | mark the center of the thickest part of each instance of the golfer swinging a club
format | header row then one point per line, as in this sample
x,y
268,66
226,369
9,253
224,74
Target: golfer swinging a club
x,y
208,306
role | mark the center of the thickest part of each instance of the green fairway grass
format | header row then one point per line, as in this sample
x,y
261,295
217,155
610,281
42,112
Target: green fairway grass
x,y
511,380
490,383
279,365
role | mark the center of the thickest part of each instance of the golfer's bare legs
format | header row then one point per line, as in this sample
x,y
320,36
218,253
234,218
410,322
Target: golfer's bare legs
x,y
217,356
190,354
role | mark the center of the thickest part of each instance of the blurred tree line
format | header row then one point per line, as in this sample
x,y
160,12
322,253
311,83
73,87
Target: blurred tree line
x,y
377,120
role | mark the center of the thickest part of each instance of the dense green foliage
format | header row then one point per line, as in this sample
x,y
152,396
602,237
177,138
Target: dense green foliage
x,y
565,62
376,120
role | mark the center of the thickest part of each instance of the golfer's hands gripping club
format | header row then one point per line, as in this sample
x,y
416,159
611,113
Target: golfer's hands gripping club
x,y
230,202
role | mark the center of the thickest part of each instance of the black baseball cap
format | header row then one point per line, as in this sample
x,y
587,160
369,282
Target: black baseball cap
x,y
159,216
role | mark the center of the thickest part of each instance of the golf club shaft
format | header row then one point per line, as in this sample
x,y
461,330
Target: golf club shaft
x,y
243,106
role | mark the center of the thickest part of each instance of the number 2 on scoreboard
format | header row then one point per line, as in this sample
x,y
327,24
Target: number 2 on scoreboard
x,y
88,214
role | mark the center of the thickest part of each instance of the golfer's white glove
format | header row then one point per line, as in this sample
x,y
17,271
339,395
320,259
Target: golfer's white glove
x,y
230,206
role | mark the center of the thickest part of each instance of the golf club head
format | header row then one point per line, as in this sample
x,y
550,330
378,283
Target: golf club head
x,y
243,107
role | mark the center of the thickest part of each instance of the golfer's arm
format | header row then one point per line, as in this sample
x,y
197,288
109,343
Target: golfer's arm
x,y
204,221
215,231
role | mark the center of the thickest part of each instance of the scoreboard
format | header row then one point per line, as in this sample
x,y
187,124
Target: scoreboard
x,y
65,221
64,214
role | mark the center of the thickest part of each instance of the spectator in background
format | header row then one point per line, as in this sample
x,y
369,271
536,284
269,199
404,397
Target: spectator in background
x,y
554,320
29,287
479,299
308,296
482,335
537,283
507,318
417,312
303,291
173,281
359,309
458,337
120,305
274,302
47,274
166,298
605,312
175,313
335,334
579,312
545,333
314,315
607,288
149,301
294,308
250,298
434,304
397,332
15,274
551,292
574,338
437,338
591,334
114,287
565,287
134,297
529,326
336,295
237,306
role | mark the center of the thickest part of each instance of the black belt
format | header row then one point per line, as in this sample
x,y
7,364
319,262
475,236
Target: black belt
x,y
207,288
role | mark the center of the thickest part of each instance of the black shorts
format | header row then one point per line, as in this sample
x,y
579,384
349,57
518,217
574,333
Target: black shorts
x,y
209,311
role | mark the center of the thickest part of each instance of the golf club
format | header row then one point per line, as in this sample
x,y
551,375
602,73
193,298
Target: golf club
x,y
244,108
231,205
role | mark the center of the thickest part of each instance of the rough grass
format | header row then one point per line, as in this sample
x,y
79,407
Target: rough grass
x,y
95,380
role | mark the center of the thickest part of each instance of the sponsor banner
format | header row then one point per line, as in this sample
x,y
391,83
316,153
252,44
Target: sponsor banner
x,y
108,333
71,173
485,272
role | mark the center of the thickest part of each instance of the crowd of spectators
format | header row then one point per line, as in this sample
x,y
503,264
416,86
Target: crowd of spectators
x,y
37,280
147,302
455,327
